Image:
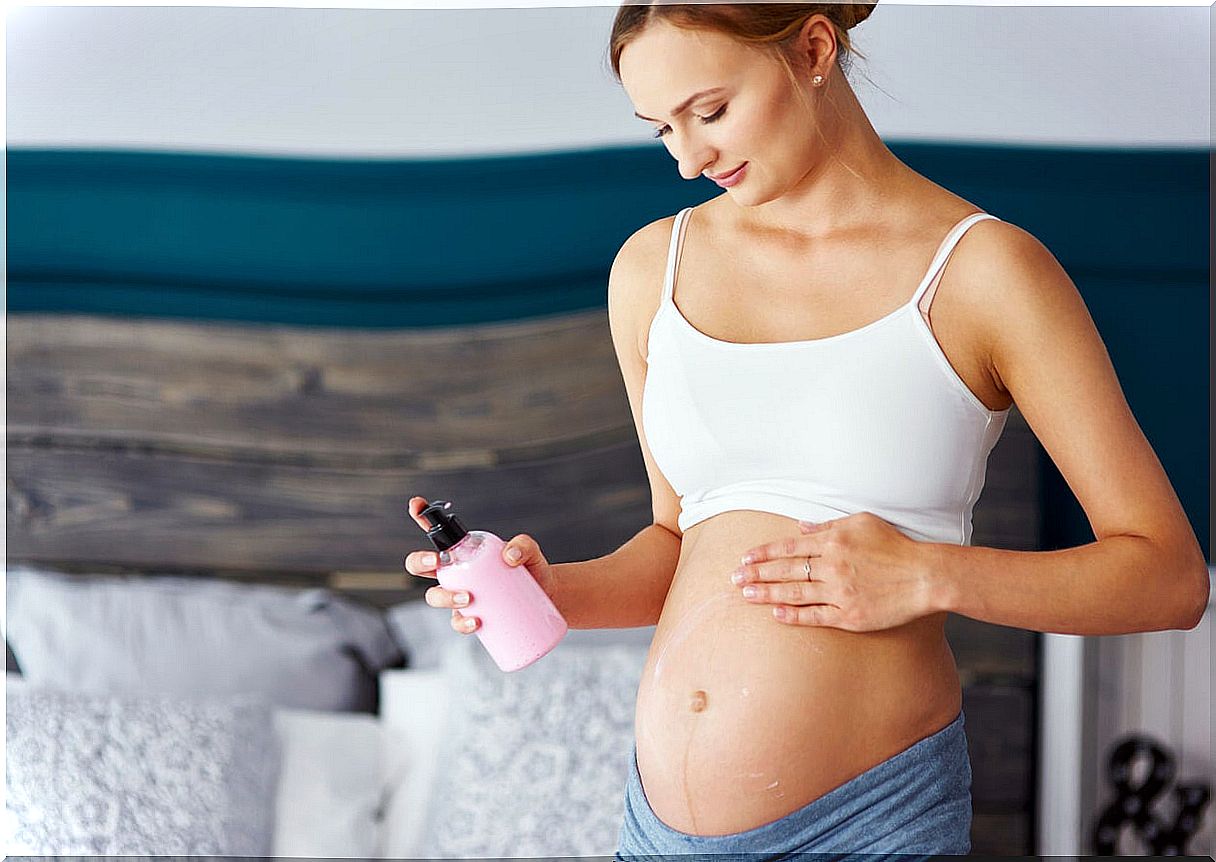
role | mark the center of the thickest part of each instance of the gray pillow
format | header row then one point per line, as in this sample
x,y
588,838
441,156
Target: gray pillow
x,y
126,775
533,762
305,649
423,633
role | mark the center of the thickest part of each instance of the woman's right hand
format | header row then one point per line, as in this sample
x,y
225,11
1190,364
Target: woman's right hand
x,y
423,564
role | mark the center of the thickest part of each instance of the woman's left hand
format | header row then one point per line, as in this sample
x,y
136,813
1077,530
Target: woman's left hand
x,y
865,575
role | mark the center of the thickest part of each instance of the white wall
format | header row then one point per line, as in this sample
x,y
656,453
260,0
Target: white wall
x,y
416,82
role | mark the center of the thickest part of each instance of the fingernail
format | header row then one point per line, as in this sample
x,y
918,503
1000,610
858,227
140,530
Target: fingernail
x,y
513,554
736,578
467,623
461,599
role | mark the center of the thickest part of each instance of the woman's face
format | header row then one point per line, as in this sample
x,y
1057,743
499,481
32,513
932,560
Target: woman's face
x,y
754,116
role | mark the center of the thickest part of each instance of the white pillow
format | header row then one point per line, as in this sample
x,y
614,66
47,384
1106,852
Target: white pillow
x,y
524,764
331,786
414,705
413,713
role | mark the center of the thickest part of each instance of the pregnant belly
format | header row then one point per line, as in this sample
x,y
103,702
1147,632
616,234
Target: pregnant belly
x,y
742,719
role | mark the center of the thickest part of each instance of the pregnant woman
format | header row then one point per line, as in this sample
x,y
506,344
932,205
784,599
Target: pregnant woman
x,y
818,362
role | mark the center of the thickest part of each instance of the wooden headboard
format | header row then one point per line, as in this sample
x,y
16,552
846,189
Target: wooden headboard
x,y
289,454
244,366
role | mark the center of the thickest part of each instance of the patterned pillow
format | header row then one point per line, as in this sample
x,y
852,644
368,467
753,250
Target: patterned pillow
x,y
534,762
139,775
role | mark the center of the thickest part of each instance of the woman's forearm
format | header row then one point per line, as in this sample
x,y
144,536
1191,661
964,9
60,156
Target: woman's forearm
x,y
1117,585
624,589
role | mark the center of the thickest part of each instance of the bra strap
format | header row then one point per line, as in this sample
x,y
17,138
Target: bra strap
x,y
673,252
937,265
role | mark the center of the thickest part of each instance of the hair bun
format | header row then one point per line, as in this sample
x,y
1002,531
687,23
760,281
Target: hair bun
x,y
852,14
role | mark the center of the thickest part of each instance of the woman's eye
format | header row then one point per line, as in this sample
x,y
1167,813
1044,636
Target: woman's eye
x,y
705,121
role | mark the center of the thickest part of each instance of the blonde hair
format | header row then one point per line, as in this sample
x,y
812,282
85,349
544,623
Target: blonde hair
x,y
767,26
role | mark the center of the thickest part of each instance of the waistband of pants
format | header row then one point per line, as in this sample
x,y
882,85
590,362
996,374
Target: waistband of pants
x,y
925,788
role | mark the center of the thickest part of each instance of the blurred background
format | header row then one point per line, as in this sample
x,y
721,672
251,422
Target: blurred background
x,y
272,271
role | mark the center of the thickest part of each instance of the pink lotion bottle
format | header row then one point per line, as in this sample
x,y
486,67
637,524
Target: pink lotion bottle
x,y
519,622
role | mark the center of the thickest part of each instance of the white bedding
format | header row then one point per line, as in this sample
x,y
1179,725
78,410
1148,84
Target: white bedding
x,y
334,781
333,784
413,713
356,785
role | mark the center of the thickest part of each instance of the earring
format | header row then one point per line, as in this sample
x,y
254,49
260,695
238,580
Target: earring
x,y
817,80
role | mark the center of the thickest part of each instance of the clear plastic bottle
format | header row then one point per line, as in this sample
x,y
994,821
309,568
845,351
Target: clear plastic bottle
x,y
519,622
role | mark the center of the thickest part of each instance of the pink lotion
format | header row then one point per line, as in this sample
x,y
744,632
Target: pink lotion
x,y
519,622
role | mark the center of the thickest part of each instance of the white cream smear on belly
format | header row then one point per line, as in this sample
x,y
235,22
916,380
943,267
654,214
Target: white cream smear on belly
x,y
699,701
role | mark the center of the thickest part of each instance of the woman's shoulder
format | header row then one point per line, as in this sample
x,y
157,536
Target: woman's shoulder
x,y
988,249
934,211
652,236
635,285
646,250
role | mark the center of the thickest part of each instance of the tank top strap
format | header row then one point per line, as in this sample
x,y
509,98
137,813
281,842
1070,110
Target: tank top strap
x,y
673,252
928,284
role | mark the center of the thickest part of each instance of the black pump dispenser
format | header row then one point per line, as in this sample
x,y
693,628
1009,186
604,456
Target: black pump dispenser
x,y
446,529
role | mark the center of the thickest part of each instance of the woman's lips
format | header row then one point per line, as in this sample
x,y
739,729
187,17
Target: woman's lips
x,y
731,178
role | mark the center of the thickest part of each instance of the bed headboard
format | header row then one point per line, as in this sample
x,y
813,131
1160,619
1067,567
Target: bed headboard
x,y
177,405
244,366
287,454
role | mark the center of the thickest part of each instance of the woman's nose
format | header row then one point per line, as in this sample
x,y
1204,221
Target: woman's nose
x,y
693,156
692,165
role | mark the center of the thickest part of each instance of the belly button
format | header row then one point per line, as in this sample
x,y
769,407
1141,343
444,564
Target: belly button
x,y
699,700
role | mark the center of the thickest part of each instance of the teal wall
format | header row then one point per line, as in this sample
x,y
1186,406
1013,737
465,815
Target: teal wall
x,y
368,244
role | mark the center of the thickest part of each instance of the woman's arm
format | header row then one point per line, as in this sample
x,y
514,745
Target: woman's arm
x,y
1116,585
629,586
1146,571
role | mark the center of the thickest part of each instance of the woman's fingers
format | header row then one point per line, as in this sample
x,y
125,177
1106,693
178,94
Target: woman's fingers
x,y
421,563
417,504
438,597
464,624
521,549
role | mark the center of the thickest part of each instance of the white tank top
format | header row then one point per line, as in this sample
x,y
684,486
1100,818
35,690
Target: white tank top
x,y
874,419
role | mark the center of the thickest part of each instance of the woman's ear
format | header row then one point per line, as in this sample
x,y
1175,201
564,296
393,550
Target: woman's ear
x,y
816,46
